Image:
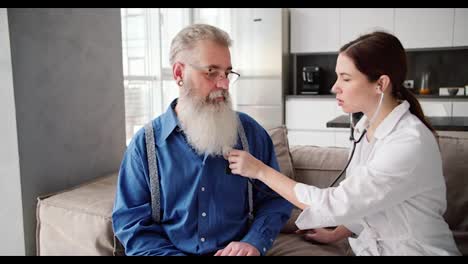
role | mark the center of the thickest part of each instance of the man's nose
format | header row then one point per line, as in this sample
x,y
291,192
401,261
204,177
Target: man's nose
x,y
223,83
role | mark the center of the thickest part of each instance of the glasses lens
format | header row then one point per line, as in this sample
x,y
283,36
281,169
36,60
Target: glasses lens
x,y
232,77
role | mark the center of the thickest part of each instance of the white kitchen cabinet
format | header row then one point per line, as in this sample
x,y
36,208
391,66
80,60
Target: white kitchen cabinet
x,y
309,113
342,138
315,30
311,137
447,107
358,21
327,29
341,134
436,107
460,34
268,116
306,120
424,27
459,108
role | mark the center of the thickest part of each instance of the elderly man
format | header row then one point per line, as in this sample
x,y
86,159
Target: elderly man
x,y
200,207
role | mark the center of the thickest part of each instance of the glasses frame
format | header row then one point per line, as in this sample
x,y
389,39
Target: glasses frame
x,y
220,72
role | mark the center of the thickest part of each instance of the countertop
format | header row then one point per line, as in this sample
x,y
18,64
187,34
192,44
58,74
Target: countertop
x,y
439,123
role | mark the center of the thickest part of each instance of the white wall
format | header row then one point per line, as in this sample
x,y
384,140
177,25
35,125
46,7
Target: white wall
x,y
11,216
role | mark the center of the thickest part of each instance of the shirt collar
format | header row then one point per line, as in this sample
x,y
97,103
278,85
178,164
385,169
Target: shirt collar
x,y
169,121
387,124
362,125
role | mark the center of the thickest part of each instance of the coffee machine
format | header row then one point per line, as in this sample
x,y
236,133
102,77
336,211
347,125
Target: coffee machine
x,y
311,80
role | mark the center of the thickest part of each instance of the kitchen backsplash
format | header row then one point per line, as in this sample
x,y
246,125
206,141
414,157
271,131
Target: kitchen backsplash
x,y
448,68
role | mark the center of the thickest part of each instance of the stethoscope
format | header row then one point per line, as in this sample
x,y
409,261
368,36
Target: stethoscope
x,y
352,138
355,142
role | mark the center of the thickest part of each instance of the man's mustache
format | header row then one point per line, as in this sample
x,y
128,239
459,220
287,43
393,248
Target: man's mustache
x,y
213,95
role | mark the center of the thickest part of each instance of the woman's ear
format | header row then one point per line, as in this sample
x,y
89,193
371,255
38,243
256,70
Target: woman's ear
x,y
383,83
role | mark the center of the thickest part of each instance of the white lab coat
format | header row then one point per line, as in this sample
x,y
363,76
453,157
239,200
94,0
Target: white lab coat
x,y
394,196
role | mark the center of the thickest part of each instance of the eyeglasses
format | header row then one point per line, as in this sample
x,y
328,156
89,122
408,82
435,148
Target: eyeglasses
x,y
214,74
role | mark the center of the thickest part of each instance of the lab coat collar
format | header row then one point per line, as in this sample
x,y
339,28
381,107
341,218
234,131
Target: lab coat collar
x,y
387,124
391,120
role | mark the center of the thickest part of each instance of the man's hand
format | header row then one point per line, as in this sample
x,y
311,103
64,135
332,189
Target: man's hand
x,y
238,249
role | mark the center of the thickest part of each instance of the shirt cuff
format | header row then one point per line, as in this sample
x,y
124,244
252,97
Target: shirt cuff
x,y
355,228
312,216
262,243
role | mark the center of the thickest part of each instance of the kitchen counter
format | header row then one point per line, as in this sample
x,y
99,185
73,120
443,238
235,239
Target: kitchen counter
x,y
439,123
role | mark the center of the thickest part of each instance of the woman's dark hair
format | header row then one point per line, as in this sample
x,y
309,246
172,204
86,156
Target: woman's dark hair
x,y
380,53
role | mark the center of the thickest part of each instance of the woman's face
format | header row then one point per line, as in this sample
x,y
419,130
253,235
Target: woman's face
x,y
353,90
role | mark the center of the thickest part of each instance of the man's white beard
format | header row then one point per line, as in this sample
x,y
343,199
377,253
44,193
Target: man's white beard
x,y
210,126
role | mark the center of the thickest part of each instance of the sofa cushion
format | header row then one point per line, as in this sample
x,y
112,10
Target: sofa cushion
x,y
279,137
296,245
454,152
77,221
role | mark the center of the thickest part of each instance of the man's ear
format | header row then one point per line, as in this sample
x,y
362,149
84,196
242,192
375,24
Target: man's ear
x,y
178,71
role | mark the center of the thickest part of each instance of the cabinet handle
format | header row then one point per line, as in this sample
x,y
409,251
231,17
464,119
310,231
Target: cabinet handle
x,y
257,19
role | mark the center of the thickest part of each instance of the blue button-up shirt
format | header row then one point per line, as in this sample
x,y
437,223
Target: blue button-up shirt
x,y
203,208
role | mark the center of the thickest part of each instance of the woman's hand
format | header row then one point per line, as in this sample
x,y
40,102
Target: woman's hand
x,y
326,235
242,163
322,235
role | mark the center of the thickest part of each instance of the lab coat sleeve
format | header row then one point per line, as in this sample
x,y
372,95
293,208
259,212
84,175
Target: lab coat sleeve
x,y
395,174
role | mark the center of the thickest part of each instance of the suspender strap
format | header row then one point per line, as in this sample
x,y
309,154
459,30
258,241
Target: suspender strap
x,y
245,146
153,172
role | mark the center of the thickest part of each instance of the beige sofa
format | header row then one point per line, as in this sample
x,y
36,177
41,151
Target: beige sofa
x,y
78,221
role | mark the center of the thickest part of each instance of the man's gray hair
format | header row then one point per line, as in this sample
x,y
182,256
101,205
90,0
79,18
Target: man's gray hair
x,y
188,37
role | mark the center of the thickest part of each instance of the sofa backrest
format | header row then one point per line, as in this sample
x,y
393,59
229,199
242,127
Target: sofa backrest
x,y
318,166
455,165
279,136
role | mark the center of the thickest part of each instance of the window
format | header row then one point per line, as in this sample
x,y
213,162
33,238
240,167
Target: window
x,y
148,84
146,38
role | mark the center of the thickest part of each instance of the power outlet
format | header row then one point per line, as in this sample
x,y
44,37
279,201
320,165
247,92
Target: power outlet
x,y
408,84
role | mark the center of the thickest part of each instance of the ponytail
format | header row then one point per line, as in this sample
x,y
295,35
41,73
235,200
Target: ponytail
x,y
415,107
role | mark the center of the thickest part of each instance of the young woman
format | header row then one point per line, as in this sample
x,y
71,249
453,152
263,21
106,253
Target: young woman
x,y
393,198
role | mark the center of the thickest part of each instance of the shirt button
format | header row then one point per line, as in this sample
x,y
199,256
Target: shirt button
x,y
202,239
202,189
203,214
